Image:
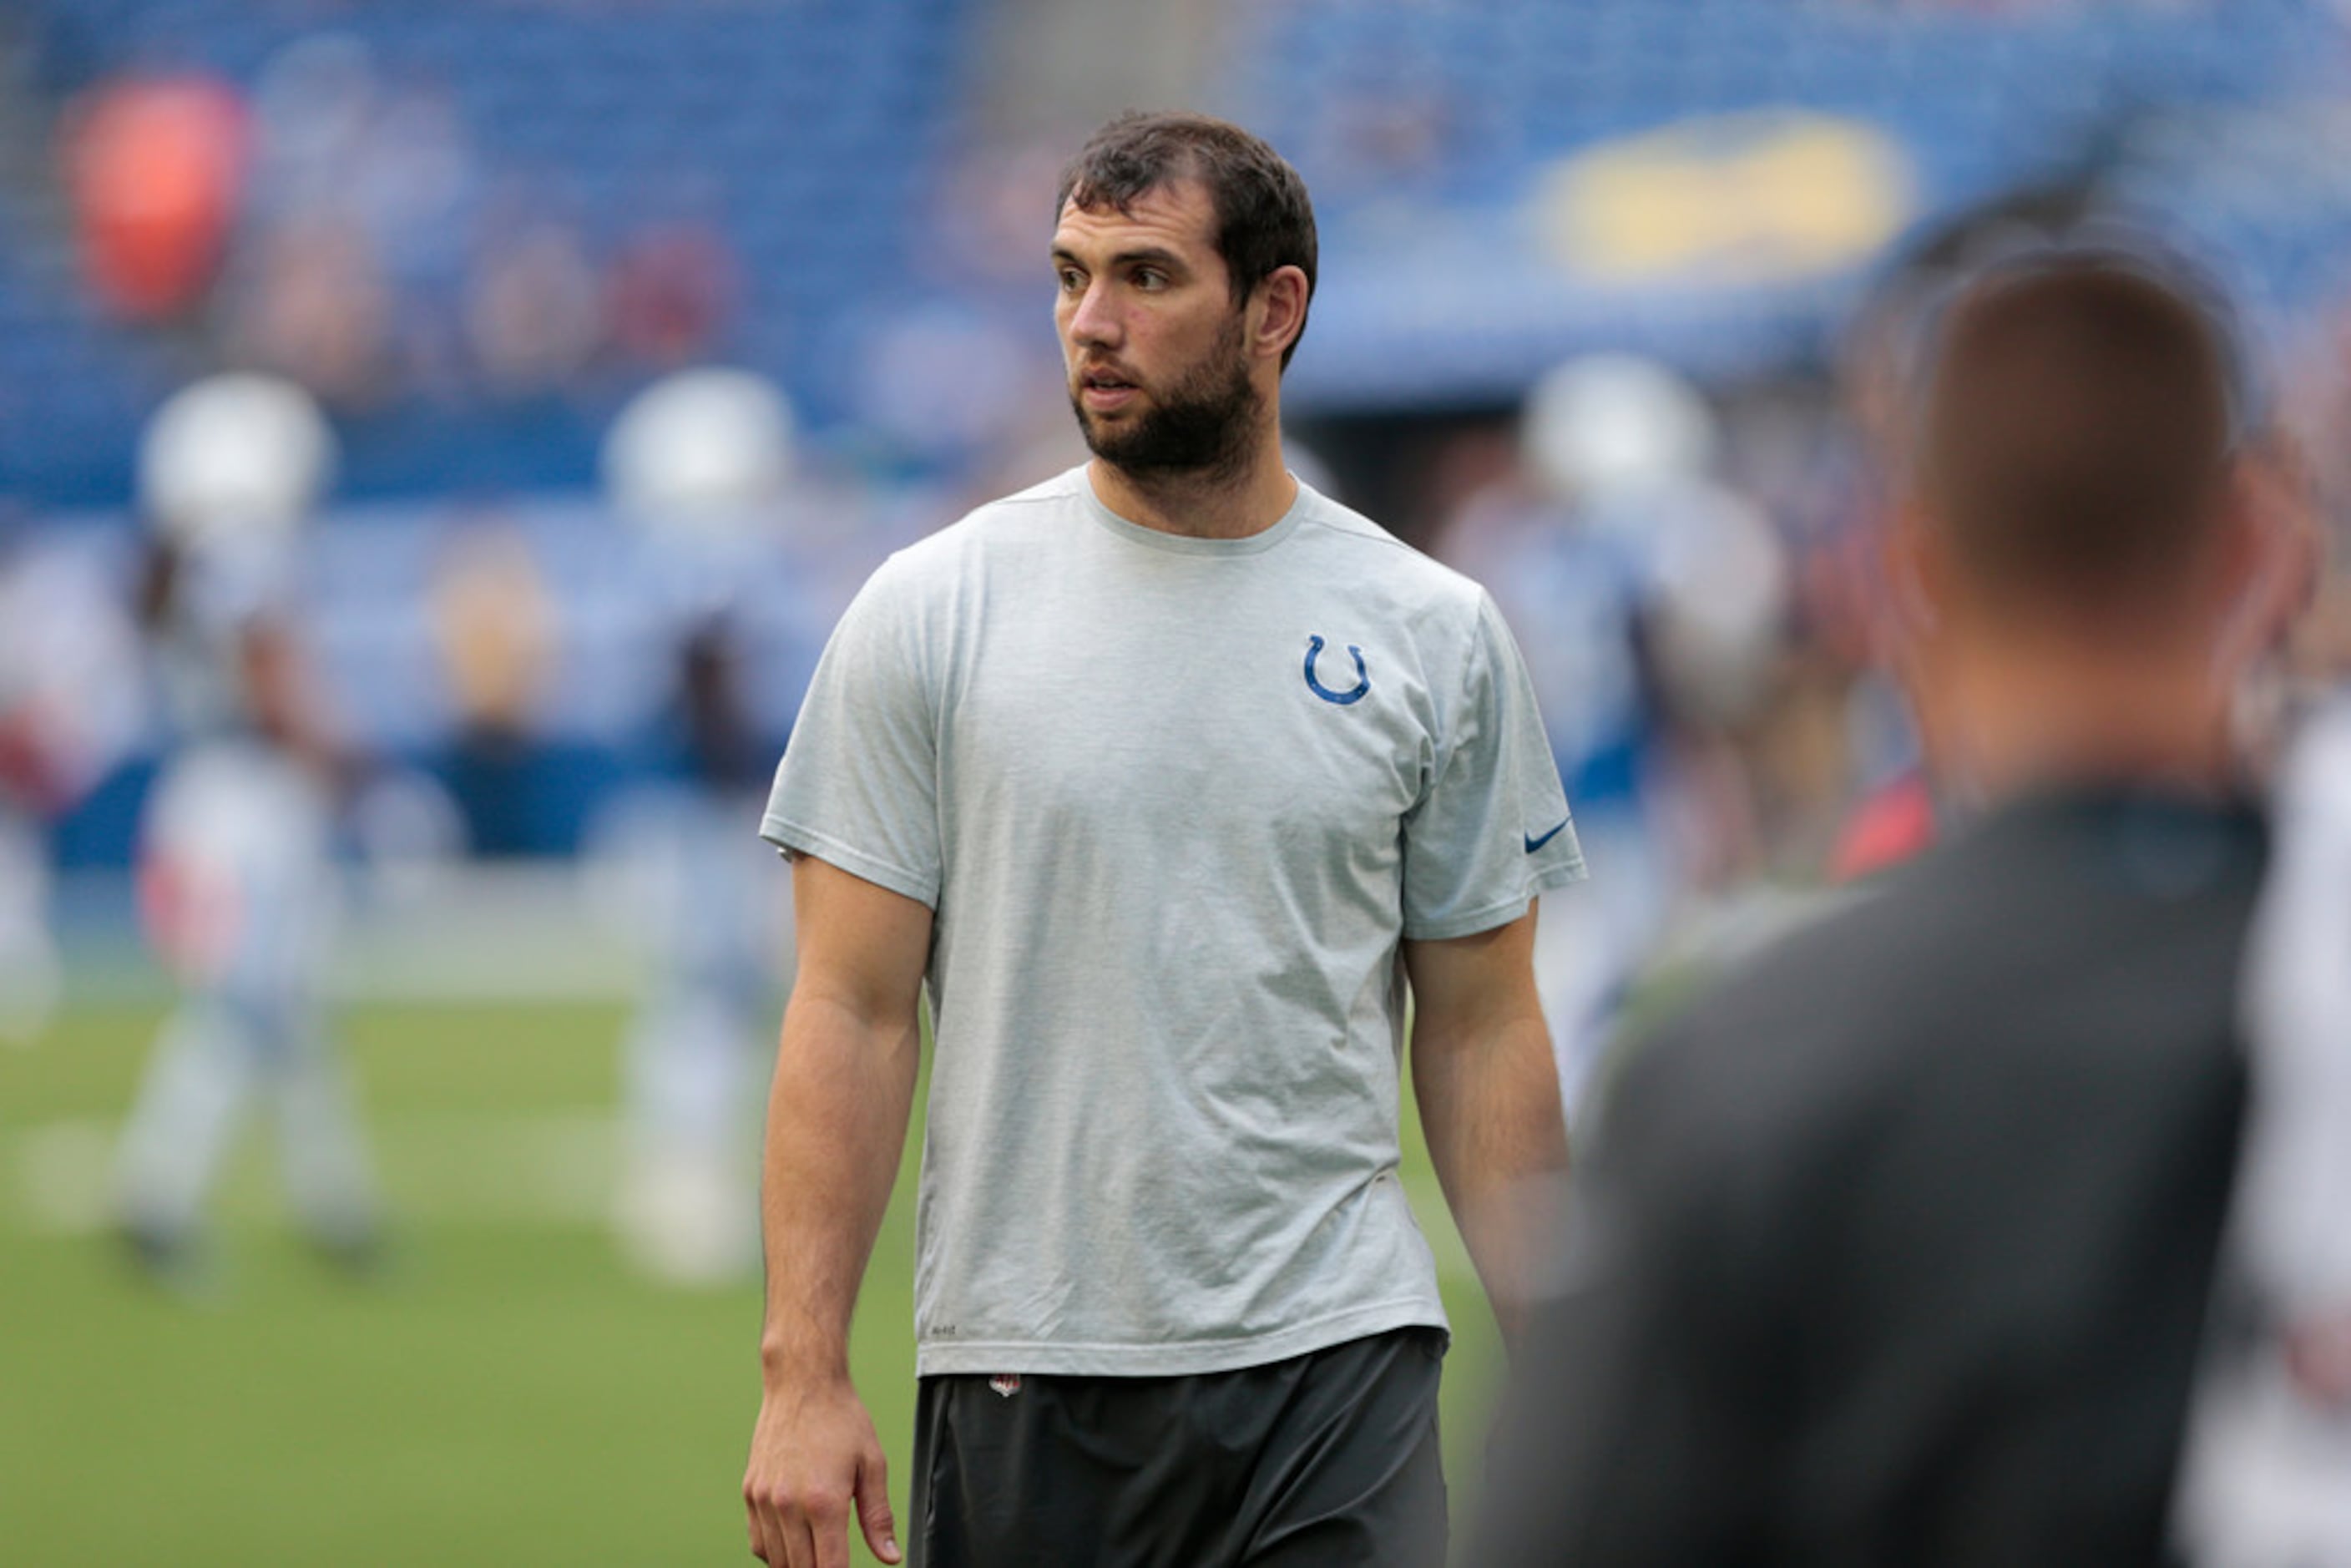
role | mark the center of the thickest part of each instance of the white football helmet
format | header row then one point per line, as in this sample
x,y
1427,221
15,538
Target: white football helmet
x,y
1615,422
235,459
701,452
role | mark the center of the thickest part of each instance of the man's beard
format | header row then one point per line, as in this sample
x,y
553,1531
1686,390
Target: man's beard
x,y
1202,426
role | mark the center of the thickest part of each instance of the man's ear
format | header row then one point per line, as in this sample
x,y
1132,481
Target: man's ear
x,y
2251,537
2269,554
1278,312
1917,573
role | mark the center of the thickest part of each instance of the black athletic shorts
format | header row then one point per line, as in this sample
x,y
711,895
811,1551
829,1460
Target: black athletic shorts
x,y
1327,1459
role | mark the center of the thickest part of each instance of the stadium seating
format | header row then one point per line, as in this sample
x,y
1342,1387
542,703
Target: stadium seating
x,y
1424,125
811,124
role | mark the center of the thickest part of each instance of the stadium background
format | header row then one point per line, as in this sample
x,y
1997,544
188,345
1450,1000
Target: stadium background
x,y
475,228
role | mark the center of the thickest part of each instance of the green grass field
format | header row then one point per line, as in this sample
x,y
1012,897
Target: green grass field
x,y
507,1394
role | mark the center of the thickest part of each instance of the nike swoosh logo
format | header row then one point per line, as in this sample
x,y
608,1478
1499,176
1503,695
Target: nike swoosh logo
x,y
1534,845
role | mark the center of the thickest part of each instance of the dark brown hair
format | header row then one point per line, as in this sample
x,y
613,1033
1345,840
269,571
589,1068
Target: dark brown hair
x,y
2077,424
1264,219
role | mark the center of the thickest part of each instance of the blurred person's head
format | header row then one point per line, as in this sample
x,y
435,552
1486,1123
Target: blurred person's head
x,y
494,629
1878,366
534,308
1186,254
313,303
2074,521
1883,340
673,291
2074,442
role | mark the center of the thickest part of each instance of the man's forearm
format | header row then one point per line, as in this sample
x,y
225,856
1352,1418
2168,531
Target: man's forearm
x,y
837,1117
1490,1107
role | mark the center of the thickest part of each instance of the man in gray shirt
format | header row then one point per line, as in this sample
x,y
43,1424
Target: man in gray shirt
x,y
1163,777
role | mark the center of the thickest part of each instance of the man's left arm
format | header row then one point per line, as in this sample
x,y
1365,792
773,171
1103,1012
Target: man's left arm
x,y
1487,1088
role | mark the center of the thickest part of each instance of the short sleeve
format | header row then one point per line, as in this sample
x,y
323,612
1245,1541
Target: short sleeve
x,y
1492,831
858,786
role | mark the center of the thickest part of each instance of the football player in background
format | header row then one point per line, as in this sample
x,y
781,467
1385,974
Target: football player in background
x,y
700,462
236,883
1648,598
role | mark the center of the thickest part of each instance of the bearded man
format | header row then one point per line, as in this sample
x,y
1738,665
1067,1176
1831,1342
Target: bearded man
x,y
1162,779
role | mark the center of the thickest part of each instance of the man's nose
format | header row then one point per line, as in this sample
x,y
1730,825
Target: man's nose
x,y
1094,320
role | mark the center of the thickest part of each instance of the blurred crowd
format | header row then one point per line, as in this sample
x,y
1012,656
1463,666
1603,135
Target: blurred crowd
x,y
338,224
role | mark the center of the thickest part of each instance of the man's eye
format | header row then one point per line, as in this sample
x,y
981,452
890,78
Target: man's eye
x,y
1150,277
1071,280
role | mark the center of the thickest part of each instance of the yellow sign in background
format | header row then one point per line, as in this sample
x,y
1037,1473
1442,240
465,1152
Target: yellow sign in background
x,y
1764,196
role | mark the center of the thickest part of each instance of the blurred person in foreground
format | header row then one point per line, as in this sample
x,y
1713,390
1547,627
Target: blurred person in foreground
x,y
236,883
1897,1247
1162,778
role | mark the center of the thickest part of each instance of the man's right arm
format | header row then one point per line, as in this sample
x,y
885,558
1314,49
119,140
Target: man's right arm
x,y
837,1115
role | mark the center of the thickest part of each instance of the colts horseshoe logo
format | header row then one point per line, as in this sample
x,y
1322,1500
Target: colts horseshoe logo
x,y
1353,694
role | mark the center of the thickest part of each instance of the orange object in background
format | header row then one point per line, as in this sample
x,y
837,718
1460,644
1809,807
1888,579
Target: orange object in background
x,y
156,165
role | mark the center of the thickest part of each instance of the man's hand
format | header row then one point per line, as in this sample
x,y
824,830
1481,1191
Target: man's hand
x,y
813,1455
837,1109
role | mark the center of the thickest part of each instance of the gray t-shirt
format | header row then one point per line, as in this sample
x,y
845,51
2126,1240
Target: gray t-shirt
x,y
1175,802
